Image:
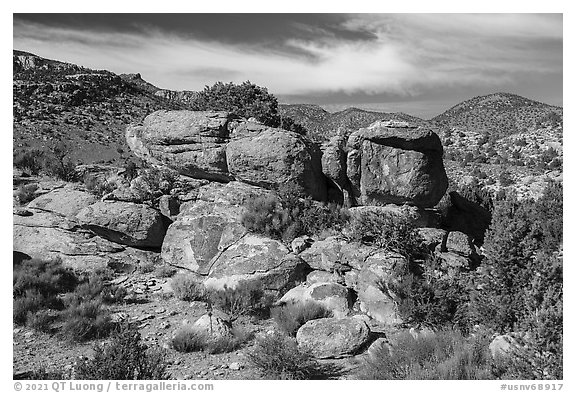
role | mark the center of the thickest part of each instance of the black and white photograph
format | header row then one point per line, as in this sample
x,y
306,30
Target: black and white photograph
x,y
207,197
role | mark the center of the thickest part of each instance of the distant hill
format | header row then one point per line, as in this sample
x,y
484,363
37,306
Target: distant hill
x,y
500,115
321,125
85,109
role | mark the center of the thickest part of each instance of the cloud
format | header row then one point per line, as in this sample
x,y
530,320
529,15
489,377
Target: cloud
x,y
397,54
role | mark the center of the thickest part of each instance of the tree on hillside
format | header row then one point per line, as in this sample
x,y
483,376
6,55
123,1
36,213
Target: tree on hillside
x,y
245,100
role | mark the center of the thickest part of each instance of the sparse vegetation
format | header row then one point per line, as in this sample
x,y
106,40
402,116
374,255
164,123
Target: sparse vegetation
x,y
187,287
26,193
125,357
288,215
291,316
444,355
278,357
188,340
85,321
247,298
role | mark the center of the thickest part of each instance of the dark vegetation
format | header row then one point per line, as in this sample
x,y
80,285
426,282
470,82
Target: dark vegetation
x,y
51,298
125,357
287,215
245,100
278,356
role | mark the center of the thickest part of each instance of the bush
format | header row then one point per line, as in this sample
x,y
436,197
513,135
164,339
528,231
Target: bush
x,y
187,287
430,295
30,160
390,232
247,298
288,215
85,321
94,289
187,340
165,271
245,100
291,316
277,356
26,193
124,358
35,286
101,186
41,320
444,355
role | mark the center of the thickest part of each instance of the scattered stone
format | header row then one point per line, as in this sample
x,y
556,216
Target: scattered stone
x,y
235,366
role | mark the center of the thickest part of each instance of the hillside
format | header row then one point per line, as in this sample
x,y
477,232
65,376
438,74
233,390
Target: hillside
x,y
500,115
321,125
85,109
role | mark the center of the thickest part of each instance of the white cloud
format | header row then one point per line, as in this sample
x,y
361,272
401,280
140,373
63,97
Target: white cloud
x,y
412,52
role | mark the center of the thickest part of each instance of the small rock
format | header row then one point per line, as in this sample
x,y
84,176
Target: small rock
x,y
176,362
118,317
212,368
172,313
161,310
235,366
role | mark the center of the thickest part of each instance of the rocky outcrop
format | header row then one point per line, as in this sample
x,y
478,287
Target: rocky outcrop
x,y
125,223
47,235
269,157
193,143
392,163
208,225
333,337
367,270
334,167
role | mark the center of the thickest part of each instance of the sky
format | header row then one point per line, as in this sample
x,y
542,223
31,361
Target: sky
x,y
421,64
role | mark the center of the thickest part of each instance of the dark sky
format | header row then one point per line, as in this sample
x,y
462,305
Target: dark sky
x,y
416,63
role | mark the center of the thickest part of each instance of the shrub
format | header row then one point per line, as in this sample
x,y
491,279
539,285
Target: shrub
x,y
187,340
278,357
31,160
291,316
288,215
391,232
187,287
100,186
124,358
85,321
41,320
26,304
245,100
94,288
165,271
247,298
430,295
442,355
26,193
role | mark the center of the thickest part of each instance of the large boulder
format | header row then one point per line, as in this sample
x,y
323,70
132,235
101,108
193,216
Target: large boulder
x,y
256,259
396,163
333,337
125,223
375,285
65,201
192,143
268,157
335,254
332,296
334,167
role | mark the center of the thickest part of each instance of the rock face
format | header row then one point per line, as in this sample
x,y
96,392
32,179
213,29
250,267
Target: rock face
x,y
333,337
334,166
193,143
396,164
125,223
208,225
256,258
47,235
270,157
